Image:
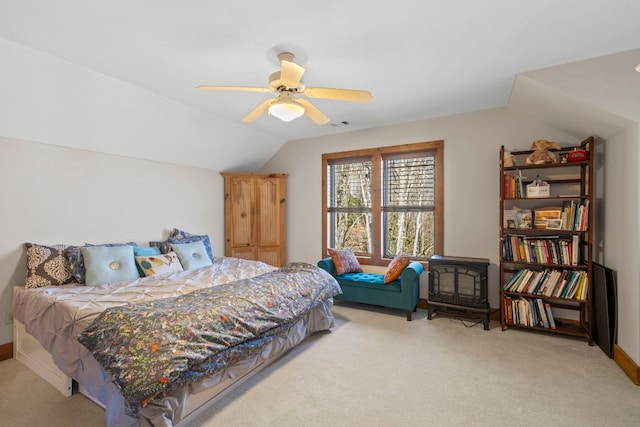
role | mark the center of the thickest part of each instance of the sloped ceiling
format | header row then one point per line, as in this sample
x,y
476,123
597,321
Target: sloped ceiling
x,y
419,59
598,96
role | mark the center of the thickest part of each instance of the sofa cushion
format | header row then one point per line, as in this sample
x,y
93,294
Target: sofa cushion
x,y
368,280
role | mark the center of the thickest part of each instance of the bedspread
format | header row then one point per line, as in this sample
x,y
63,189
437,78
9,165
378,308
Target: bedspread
x,y
152,348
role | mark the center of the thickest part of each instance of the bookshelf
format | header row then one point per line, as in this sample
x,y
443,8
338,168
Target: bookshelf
x,y
546,238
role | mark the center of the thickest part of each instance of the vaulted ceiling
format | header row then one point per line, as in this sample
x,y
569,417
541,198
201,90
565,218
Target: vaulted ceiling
x,y
419,59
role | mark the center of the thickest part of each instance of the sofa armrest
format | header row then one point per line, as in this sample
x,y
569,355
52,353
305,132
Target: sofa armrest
x,y
328,265
411,274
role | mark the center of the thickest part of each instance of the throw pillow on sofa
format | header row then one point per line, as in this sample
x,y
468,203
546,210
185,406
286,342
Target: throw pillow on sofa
x,y
395,267
345,261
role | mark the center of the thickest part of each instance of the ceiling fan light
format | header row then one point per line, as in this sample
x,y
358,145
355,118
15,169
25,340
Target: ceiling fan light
x,y
286,110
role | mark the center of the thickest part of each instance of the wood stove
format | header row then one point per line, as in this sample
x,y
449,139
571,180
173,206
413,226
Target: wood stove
x,y
458,285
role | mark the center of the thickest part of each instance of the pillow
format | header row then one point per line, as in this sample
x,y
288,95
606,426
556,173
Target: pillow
x,y
180,236
76,262
46,266
191,255
144,251
108,264
345,261
158,265
395,267
165,245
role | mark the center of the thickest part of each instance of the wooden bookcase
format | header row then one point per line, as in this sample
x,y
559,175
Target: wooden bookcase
x,y
254,211
560,254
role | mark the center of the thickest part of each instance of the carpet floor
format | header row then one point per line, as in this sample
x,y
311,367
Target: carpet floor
x,y
376,369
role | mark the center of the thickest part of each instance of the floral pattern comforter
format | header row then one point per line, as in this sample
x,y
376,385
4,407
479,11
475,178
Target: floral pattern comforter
x,y
154,347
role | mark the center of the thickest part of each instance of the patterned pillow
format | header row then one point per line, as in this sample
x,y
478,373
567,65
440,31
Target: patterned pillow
x,y
109,264
178,234
395,267
46,266
76,262
191,255
345,261
158,265
144,251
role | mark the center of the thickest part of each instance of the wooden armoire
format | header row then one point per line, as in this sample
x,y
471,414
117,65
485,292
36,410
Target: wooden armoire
x,y
254,210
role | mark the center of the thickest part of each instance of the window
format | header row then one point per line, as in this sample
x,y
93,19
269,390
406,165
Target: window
x,y
384,202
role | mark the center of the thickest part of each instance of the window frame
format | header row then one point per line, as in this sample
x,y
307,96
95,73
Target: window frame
x,y
376,155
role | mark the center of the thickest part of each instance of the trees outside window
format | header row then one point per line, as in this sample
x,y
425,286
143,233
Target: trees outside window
x,y
384,202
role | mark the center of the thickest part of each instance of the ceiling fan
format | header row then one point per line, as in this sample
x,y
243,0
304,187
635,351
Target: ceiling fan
x,y
287,84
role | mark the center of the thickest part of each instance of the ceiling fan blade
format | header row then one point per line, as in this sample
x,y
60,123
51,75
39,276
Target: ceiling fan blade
x,y
258,111
235,88
313,113
291,73
339,94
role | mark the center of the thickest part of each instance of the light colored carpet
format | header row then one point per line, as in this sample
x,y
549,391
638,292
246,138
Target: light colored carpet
x,y
376,369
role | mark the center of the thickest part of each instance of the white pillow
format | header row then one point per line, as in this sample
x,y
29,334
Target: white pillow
x,y
159,265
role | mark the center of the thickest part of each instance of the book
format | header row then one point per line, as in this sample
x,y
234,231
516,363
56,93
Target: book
x,y
524,283
514,279
543,313
542,277
575,250
559,285
572,284
551,283
552,323
506,307
585,288
584,215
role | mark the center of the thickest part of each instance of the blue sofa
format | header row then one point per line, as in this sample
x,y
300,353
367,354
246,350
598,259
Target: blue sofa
x,y
369,288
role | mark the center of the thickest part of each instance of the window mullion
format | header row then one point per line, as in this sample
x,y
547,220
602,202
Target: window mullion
x,y
376,208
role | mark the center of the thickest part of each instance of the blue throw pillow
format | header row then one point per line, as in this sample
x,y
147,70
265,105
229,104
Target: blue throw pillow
x,y
145,250
108,264
76,262
192,255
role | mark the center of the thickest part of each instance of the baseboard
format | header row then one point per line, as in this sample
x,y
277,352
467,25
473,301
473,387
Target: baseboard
x,y
6,351
627,364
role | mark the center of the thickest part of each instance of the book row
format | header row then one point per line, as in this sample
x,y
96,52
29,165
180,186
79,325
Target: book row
x,y
574,216
514,186
541,249
567,284
570,217
528,312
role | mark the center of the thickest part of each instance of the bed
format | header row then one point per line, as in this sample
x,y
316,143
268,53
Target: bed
x,y
256,313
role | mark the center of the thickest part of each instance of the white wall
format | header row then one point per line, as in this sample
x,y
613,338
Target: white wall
x,y
472,142
53,195
622,236
471,198
52,101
